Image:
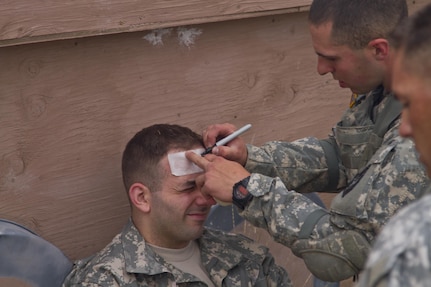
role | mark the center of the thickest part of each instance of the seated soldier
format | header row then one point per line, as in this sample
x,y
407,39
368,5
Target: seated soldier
x,y
165,242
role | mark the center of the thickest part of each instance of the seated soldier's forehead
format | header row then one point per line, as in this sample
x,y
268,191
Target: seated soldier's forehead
x,y
180,165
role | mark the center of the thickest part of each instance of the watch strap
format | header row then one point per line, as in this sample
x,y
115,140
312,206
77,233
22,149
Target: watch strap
x,y
240,196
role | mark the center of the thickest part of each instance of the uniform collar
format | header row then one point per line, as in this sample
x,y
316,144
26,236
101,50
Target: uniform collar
x,y
216,255
139,257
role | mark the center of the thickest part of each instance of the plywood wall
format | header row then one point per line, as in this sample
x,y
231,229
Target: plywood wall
x,y
23,21
68,107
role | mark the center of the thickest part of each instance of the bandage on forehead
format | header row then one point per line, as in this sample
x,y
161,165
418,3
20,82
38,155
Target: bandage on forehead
x,y
180,165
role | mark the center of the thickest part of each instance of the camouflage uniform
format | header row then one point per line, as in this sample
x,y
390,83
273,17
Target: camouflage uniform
x,y
334,243
230,259
401,255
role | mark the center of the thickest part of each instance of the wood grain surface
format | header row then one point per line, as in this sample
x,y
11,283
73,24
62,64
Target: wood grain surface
x,y
68,107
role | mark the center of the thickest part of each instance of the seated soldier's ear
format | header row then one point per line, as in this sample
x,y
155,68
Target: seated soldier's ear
x,y
140,197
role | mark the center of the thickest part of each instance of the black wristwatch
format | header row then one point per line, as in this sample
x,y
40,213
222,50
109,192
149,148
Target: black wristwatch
x,y
240,196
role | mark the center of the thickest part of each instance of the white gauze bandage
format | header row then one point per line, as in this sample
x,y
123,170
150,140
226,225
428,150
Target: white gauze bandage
x,y
180,165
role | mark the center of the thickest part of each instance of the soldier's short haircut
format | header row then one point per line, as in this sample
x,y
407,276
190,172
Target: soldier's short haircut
x,y
144,151
415,43
356,22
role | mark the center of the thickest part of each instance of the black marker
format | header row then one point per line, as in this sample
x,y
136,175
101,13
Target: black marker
x,y
227,139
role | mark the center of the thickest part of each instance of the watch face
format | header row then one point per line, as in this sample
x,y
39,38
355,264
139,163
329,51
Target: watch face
x,y
240,192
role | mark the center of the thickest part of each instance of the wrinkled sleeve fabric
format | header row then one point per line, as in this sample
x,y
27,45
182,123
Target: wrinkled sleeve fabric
x,y
280,211
301,164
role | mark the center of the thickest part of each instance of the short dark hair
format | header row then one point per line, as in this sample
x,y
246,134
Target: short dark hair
x,y
356,22
144,151
414,41
397,35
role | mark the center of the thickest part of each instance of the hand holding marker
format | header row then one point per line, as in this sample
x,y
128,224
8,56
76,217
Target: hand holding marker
x,y
227,139
224,141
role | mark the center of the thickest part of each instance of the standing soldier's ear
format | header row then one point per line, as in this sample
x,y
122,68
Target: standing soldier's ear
x,y
379,48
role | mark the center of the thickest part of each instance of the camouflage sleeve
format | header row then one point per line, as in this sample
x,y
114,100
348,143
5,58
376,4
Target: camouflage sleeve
x,y
286,214
301,164
280,211
400,256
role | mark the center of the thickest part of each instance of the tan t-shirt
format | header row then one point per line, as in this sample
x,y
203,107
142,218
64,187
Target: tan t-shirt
x,y
187,259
